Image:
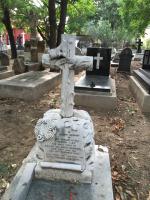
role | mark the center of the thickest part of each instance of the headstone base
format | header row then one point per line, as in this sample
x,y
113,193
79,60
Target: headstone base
x,y
141,95
104,99
40,189
59,174
29,86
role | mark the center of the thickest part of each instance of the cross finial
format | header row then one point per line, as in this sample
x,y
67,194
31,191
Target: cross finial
x,y
63,57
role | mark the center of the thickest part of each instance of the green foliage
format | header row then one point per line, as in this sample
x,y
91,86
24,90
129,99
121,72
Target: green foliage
x,y
135,14
108,10
99,31
78,14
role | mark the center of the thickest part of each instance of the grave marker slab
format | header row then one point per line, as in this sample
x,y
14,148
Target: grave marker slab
x,y
125,60
4,59
29,86
101,61
96,87
146,60
140,83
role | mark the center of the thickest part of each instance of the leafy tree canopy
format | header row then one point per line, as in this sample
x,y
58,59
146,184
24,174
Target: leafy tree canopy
x,y
135,14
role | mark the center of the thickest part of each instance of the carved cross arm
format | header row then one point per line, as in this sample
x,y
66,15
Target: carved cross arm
x,y
74,63
80,62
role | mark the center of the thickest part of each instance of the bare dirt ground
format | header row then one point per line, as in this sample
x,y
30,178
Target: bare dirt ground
x,y
125,131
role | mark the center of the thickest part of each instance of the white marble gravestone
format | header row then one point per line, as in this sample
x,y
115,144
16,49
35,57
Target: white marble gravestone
x,y
65,136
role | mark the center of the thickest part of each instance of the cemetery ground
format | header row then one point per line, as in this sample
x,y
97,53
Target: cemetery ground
x,y
125,131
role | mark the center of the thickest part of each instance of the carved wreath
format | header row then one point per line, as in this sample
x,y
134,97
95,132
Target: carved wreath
x,y
45,130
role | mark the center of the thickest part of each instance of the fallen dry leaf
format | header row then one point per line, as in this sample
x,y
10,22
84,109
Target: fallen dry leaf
x,y
117,125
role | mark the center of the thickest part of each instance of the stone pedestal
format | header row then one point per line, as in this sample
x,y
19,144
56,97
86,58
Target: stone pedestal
x,y
141,95
29,86
26,186
102,97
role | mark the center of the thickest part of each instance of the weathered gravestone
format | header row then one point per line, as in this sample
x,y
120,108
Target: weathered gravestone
x,y
5,72
19,66
97,88
29,86
65,147
140,83
125,60
4,59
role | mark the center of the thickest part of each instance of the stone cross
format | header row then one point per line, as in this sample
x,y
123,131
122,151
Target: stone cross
x,y
63,57
98,59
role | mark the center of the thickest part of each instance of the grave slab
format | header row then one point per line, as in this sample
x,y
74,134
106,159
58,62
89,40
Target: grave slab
x,y
144,78
141,95
2,68
103,97
94,83
29,86
39,189
6,74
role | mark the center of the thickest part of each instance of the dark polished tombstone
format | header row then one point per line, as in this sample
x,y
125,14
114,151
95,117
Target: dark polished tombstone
x,y
146,60
143,74
125,60
101,61
98,79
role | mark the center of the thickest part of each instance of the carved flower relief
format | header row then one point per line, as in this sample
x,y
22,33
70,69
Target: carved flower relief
x,y
45,130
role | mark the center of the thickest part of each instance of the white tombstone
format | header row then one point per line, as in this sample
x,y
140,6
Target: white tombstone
x,y
65,136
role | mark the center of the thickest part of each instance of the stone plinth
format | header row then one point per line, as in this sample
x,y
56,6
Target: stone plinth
x,y
29,86
141,95
99,100
39,189
65,144
6,74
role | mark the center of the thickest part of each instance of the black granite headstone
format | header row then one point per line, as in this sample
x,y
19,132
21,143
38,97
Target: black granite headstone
x,y
125,60
98,79
146,60
143,74
101,61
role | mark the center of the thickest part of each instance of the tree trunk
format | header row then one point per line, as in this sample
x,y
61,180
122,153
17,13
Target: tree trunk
x,y
7,23
63,14
53,25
